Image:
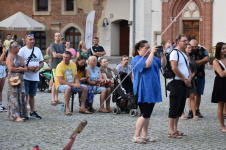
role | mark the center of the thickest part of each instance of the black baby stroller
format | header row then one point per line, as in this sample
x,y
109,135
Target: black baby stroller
x,y
44,78
123,95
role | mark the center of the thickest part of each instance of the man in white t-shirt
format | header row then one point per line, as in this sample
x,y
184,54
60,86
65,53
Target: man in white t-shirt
x,y
179,85
31,77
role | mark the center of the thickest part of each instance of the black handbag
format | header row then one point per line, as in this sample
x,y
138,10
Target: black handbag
x,y
133,100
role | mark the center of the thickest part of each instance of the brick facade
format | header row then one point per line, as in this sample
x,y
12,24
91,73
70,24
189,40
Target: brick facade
x,y
171,8
55,19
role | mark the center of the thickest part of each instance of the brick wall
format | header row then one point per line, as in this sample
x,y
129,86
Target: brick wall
x,y
10,7
172,8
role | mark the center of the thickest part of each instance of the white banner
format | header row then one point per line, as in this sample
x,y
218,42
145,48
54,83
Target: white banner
x,y
89,29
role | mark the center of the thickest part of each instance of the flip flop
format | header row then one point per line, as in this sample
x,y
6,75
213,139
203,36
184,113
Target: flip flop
x,y
103,111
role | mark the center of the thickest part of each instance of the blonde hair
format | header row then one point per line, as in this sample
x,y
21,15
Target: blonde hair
x,y
80,44
90,59
12,46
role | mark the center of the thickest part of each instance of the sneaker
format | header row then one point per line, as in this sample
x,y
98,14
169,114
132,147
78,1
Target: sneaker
x,y
2,108
199,114
35,115
190,114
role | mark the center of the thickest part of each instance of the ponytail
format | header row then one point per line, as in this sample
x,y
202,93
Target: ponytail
x,y
141,44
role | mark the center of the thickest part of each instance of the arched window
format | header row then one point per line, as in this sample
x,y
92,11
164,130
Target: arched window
x,y
192,10
73,35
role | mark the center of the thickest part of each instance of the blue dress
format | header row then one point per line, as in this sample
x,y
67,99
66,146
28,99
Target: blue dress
x,y
149,89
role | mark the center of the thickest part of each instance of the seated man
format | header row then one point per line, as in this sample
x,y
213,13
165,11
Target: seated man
x,y
123,66
67,81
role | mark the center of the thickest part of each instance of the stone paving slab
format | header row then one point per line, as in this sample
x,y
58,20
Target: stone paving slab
x,y
109,131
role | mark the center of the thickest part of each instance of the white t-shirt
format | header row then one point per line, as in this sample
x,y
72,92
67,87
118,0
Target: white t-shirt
x,y
181,65
36,58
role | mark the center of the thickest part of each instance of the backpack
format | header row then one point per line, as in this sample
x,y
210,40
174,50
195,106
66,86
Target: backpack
x,y
167,71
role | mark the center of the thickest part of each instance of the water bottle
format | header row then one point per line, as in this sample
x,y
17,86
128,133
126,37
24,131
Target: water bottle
x,y
62,107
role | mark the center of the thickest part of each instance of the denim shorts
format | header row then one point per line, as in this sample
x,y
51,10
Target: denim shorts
x,y
200,86
30,87
62,88
98,89
2,71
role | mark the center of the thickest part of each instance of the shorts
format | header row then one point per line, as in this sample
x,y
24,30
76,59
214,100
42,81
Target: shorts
x,y
30,87
2,71
178,96
98,89
146,109
200,86
53,74
62,88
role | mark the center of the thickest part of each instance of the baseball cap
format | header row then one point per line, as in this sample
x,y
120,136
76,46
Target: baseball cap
x,y
46,57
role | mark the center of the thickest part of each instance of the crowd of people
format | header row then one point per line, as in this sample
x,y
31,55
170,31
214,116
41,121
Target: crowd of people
x,y
85,71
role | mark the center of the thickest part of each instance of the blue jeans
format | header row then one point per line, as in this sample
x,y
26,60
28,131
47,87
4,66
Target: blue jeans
x,y
30,87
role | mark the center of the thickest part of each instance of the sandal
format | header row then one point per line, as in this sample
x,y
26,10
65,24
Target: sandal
x,y
58,102
109,109
148,139
18,119
184,117
180,133
195,118
54,103
68,113
84,111
174,135
138,140
103,110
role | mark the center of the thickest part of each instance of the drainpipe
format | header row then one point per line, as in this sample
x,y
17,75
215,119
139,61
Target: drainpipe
x,y
134,21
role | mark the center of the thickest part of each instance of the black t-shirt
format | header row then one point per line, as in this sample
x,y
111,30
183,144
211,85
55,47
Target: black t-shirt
x,y
198,55
97,49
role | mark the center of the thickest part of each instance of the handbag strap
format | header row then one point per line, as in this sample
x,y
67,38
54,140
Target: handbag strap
x,y
29,58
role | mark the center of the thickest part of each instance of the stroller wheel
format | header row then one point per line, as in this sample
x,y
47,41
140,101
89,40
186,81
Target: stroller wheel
x,y
41,89
133,112
117,110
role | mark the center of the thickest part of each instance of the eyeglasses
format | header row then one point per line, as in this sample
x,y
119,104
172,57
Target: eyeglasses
x,y
185,41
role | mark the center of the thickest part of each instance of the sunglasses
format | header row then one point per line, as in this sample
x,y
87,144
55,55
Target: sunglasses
x,y
30,35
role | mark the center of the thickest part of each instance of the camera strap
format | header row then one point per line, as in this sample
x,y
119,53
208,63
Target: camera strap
x,y
29,58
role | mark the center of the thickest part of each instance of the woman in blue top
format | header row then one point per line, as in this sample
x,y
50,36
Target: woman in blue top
x,y
149,91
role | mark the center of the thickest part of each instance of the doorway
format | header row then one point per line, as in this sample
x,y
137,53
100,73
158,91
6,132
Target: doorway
x,y
124,38
191,29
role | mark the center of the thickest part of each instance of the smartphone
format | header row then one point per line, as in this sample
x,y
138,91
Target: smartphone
x,y
159,51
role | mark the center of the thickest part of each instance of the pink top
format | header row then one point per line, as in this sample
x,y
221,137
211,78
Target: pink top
x,y
73,52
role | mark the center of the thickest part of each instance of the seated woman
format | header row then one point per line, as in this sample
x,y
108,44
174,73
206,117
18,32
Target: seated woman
x,y
106,72
81,64
94,78
16,102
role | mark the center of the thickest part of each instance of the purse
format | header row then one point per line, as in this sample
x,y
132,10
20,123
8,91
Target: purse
x,y
133,100
15,81
106,83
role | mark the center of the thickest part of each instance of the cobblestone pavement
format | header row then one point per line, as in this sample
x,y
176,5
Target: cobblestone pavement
x,y
110,131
